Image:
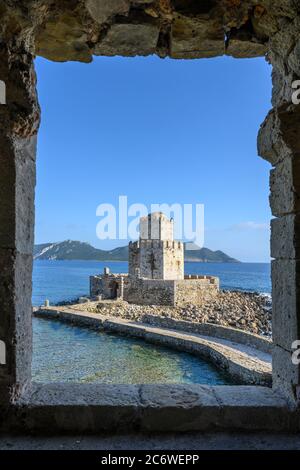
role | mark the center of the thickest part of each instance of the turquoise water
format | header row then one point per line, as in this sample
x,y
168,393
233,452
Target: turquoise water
x,y
65,353
66,280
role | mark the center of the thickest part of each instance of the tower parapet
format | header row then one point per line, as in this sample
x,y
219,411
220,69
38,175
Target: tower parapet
x,y
156,226
157,254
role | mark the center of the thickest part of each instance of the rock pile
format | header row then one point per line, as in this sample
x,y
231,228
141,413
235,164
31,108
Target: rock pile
x,y
246,311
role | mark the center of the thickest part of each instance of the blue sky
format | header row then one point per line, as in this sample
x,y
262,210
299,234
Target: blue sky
x,y
158,131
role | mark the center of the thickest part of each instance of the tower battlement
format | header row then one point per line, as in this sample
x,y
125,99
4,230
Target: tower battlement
x,y
157,255
156,226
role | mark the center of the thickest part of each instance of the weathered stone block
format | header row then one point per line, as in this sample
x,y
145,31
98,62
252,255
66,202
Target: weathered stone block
x,y
195,38
17,184
263,23
206,408
285,187
129,39
283,41
102,10
288,8
94,408
245,48
79,408
15,319
248,407
25,193
294,59
195,291
150,291
7,194
282,83
271,145
63,38
286,302
289,117
285,237
278,138
178,407
286,375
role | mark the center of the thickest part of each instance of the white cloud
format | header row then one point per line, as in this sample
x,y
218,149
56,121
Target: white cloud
x,y
250,225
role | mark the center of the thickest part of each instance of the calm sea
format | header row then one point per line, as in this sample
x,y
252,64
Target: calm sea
x,y
66,353
66,280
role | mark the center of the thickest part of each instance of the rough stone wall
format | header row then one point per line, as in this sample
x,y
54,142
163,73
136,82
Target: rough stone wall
x,y
142,291
279,143
151,259
19,119
167,230
195,291
96,286
149,292
134,258
64,30
210,329
173,260
156,226
108,286
161,259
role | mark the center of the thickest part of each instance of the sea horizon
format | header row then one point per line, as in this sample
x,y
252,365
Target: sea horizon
x,y
65,280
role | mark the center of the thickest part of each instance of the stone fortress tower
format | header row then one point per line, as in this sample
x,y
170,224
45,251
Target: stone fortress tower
x,y
155,271
156,255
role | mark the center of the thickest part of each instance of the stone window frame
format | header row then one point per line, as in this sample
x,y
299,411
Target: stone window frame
x,y
91,408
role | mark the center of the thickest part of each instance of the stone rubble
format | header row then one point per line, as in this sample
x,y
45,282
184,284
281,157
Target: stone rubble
x,y
243,310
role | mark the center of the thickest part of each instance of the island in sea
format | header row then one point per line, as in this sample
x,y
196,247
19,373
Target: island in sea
x,y
76,250
156,287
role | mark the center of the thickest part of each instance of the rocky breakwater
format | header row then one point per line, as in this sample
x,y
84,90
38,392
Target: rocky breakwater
x,y
246,311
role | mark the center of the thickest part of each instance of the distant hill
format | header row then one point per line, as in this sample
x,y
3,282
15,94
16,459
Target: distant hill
x,y
74,250
204,255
